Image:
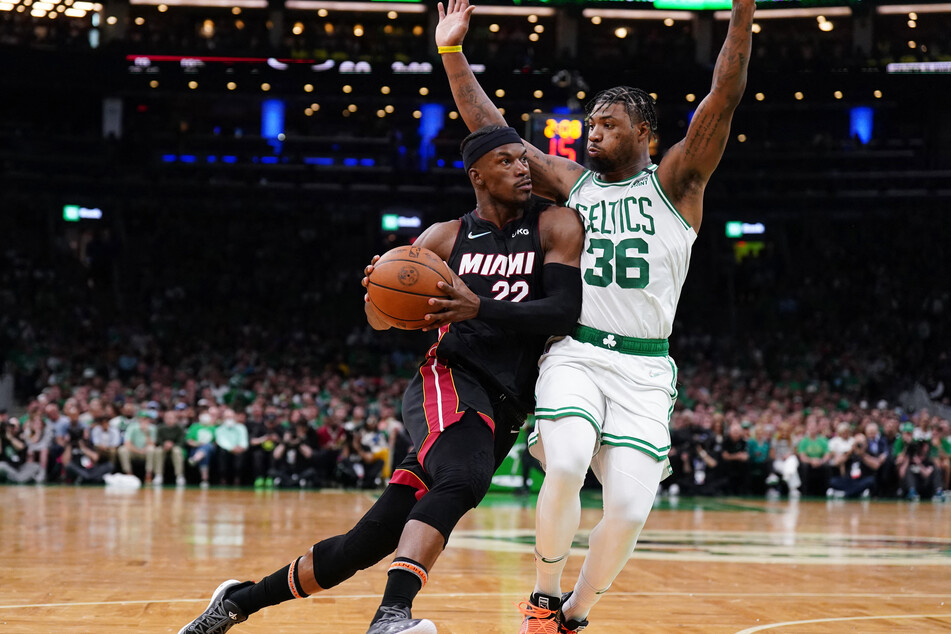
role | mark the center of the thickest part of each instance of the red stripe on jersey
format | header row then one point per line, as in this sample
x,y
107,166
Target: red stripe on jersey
x,y
410,479
488,421
440,402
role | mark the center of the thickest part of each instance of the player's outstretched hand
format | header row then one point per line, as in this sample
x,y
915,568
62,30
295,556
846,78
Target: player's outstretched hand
x,y
459,305
453,22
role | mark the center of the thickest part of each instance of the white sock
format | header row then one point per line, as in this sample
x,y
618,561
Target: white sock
x,y
583,598
548,574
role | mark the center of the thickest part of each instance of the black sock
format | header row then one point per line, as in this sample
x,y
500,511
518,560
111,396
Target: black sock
x,y
404,581
275,588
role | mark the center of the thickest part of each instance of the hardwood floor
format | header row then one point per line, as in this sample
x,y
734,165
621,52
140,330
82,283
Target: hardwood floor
x,y
78,560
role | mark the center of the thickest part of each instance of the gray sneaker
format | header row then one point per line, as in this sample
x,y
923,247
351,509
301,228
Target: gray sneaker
x,y
397,618
221,614
574,625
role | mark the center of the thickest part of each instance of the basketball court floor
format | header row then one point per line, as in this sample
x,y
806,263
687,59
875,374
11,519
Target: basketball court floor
x,y
89,559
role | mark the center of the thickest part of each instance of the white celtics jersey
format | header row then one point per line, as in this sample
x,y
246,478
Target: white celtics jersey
x,y
636,255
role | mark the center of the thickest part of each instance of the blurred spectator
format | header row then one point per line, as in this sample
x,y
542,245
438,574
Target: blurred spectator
x,y
358,466
876,458
14,463
857,474
124,418
70,435
840,451
919,476
170,441
699,451
295,455
85,463
231,438
941,452
105,439
813,453
200,438
265,433
785,460
38,437
332,437
139,444
735,459
400,444
760,452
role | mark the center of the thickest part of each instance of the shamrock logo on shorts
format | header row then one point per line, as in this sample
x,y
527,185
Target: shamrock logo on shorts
x,y
609,341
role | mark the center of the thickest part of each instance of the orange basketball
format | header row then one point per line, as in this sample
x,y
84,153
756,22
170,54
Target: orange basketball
x,y
402,282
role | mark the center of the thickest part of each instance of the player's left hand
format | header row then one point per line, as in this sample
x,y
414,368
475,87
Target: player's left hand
x,y
366,274
459,305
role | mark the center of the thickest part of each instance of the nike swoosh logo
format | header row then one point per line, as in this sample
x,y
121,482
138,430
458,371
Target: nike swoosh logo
x,y
473,236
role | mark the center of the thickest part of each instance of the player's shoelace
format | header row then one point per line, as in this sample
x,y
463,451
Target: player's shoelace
x,y
537,620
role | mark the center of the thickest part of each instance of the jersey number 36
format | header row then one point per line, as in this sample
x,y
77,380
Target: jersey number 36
x,y
617,263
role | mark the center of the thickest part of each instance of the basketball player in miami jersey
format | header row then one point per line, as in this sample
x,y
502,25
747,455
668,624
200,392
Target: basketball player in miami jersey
x,y
516,282
605,393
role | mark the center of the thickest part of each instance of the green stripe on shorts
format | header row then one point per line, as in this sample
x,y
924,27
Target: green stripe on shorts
x,y
548,413
655,452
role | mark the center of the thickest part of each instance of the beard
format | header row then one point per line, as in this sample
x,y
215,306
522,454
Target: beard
x,y
601,163
622,155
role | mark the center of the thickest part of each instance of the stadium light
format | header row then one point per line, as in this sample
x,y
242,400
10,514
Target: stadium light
x,y
913,8
638,14
353,7
766,14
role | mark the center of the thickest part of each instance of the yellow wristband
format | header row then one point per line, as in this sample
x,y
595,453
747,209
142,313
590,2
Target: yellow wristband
x,y
449,49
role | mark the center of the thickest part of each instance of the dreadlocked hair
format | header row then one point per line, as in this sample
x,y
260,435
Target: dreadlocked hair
x,y
638,103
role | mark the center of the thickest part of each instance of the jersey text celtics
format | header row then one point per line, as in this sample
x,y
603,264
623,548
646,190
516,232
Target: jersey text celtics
x,y
636,256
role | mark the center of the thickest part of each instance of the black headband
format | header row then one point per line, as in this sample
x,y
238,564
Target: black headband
x,y
479,147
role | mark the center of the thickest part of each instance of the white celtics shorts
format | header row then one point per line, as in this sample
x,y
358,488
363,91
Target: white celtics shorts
x,y
627,398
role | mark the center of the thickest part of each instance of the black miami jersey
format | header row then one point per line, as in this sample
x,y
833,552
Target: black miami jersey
x,y
503,264
475,365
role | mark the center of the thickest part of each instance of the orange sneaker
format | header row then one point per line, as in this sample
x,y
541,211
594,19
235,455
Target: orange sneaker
x,y
541,614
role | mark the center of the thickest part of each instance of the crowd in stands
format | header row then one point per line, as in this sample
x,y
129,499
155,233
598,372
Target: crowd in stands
x,y
784,441
246,424
319,431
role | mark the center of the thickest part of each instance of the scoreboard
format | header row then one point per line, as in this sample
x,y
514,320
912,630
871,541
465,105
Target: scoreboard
x,y
558,134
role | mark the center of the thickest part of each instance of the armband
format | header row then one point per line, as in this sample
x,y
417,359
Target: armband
x,y
554,314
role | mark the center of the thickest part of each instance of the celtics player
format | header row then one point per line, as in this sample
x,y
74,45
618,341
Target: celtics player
x,y
605,393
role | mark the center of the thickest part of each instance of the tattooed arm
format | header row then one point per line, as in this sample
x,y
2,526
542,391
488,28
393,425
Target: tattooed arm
x,y
552,176
687,166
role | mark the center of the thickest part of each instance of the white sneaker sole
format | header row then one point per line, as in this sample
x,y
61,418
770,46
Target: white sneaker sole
x,y
219,591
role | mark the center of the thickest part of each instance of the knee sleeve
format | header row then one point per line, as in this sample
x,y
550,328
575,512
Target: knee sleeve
x,y
461,471
374,537
460,488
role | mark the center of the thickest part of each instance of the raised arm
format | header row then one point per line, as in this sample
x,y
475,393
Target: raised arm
x,y
552,176
687,167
